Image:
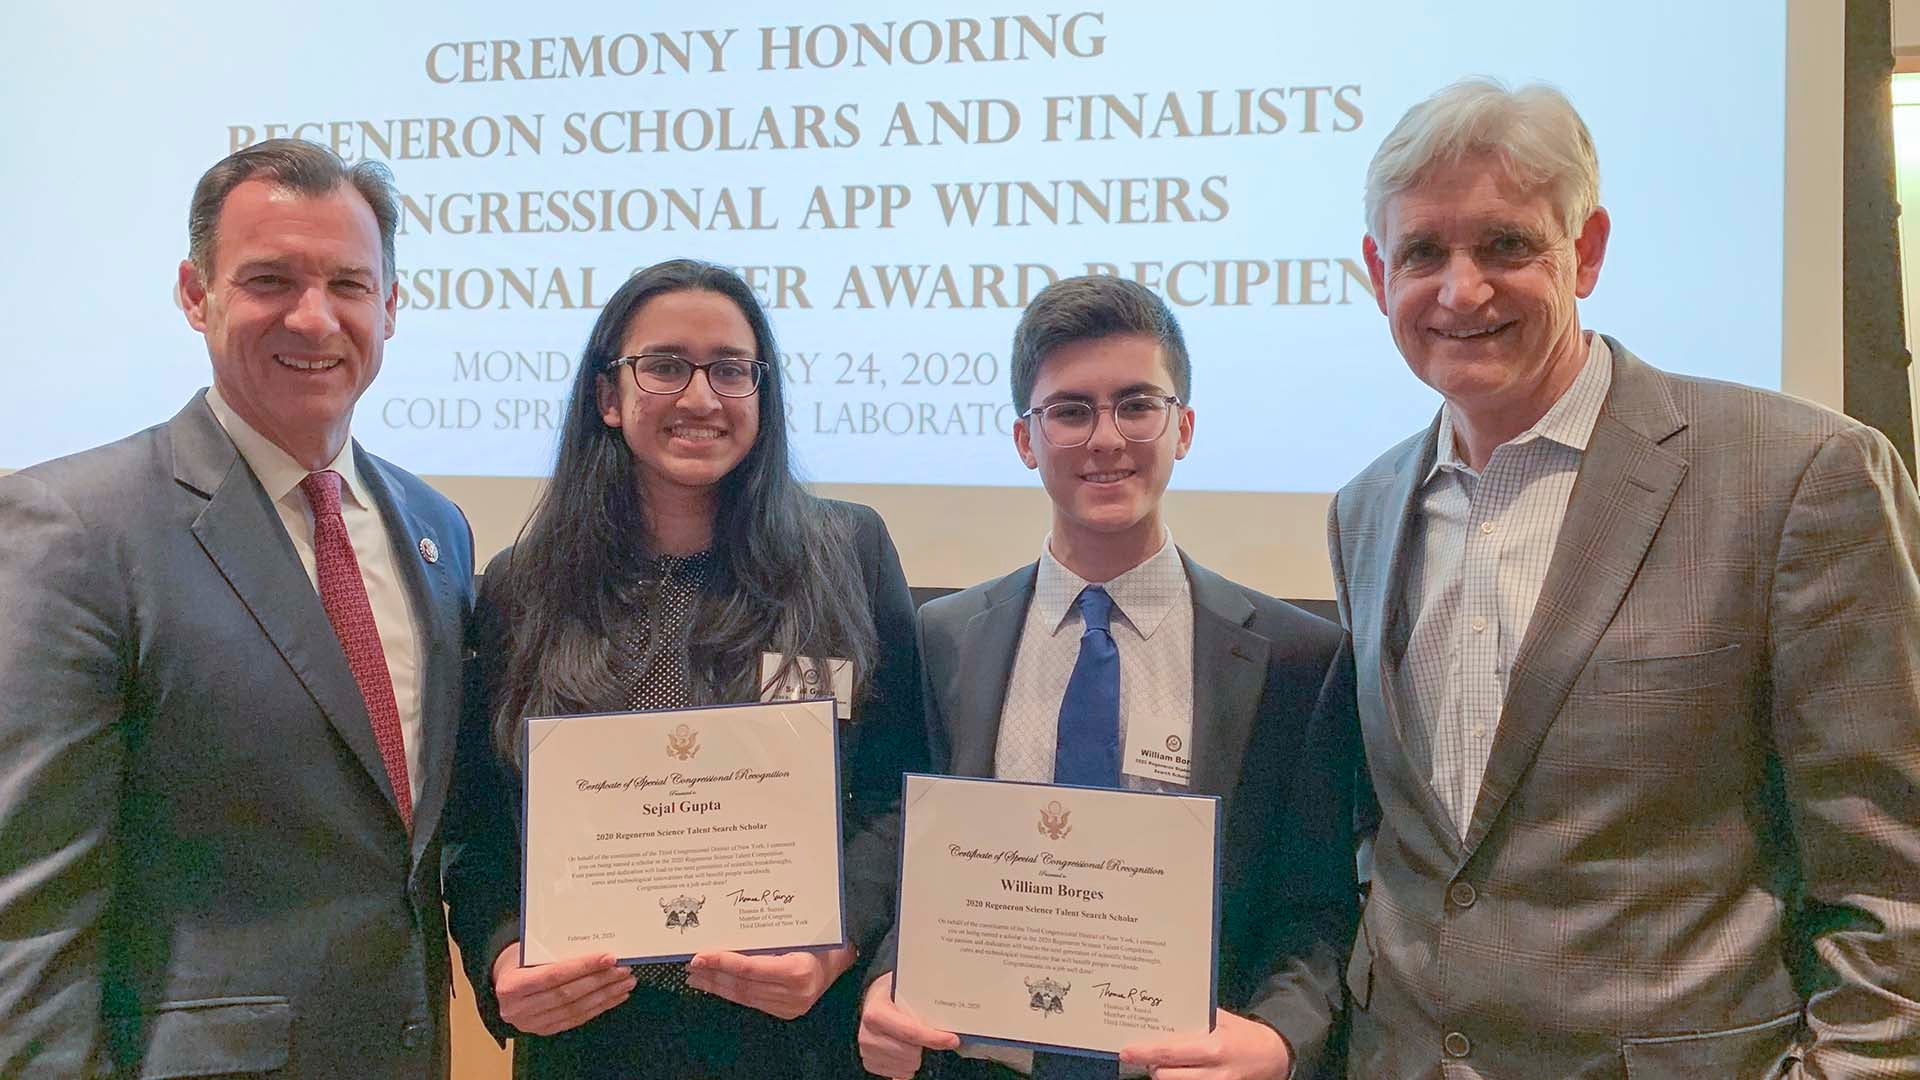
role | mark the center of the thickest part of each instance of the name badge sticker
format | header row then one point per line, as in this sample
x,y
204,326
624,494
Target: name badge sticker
x,y
806,679
1160,752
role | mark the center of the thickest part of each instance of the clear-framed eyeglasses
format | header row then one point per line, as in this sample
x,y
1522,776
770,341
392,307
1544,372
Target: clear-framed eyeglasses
x,y
1138,418
666,373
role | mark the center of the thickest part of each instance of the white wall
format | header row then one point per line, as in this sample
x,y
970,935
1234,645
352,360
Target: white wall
x,y
1906,50
1906,27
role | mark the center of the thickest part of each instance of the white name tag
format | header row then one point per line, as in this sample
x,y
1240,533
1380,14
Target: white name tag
x,y
1159,751
805,679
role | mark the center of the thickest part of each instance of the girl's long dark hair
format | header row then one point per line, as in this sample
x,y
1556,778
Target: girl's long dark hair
x,y
786,580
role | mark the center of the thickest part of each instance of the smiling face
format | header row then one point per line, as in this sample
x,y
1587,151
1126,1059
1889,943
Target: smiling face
x,y
295,313
683,444
1478,280
1105,494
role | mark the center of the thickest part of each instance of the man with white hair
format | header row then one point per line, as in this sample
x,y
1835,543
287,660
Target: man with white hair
x,y
1638,661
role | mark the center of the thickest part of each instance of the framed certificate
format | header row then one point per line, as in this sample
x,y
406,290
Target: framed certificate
x,y
1055,917
656,835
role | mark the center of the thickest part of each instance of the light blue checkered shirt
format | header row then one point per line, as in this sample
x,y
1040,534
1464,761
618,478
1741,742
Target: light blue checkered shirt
x,y
1476,560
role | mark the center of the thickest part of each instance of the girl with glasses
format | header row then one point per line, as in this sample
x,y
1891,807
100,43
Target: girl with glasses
x,y
671,550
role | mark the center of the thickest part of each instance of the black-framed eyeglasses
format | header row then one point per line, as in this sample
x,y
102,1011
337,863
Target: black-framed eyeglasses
x,y
666,373
1137,417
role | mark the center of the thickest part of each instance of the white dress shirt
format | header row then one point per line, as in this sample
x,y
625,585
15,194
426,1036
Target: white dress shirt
x,y
1476,561
1152,627
393,612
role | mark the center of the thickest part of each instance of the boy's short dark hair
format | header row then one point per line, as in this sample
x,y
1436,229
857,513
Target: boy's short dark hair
x,y
1085,308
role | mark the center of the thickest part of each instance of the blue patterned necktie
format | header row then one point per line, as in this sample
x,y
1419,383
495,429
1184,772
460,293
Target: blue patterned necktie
x,y
1087,748
1087,751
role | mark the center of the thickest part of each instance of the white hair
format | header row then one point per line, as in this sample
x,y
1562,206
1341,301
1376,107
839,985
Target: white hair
x,y
1533,132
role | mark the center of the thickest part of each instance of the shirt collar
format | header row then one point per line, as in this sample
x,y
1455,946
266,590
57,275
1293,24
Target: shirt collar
x,y
1568,423
276,470
1143,596
693,569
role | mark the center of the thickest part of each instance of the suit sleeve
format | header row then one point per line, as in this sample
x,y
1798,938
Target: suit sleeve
x,y
65,678
1337,562
1845,631
888,739
1305,896
481,864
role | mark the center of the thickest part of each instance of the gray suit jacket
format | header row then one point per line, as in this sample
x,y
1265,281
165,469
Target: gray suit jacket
x,y
202,868
1696,851
1273,736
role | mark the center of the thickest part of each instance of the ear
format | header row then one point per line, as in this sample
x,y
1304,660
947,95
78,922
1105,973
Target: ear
x,y
1590,249
392,305
1376,270
1185,441
192,294
1023,442
606,394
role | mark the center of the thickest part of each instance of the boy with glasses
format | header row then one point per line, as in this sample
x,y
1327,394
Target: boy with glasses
x,y
1113,639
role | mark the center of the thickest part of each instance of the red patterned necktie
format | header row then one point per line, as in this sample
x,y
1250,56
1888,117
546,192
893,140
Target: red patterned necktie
x,y
344,595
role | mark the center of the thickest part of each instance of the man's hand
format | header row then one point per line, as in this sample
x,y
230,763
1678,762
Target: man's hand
x,y
557,997
784,985
1236,1049
891,1038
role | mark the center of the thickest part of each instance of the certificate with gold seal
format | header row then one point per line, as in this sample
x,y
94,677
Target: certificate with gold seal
x,y
655,835
1056,917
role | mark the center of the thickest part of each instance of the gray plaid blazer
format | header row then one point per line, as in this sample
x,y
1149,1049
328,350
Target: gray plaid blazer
x,y
1696,851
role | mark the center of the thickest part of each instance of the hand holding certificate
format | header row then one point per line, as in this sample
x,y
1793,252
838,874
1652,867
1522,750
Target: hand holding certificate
x,y
656,835
1057,917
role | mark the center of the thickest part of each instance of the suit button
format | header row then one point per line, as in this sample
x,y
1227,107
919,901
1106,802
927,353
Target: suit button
x,y
413,1035
1462,894
1456,1045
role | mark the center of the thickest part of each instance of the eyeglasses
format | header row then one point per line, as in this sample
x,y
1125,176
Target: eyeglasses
x,y
1137,417
665,373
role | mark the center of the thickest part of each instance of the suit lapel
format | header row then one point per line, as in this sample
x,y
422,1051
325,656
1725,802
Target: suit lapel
x,y
433,596
1392,623
241,532
987,652
1626,483
1229,670
1389,614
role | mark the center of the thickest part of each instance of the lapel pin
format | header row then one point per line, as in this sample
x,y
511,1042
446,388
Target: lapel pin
x,y
429,550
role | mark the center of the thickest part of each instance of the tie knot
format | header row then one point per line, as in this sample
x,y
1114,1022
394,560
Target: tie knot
x,y
323,492
1096,608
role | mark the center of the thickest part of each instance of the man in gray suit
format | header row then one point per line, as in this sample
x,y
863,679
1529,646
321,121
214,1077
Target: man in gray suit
x,y
1257,692
228,685
1638,661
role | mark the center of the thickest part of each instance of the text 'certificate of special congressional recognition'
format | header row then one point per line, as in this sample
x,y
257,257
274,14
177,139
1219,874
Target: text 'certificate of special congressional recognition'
x,y
656,835
1057,917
